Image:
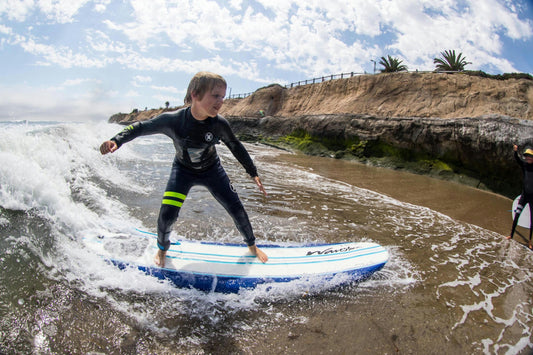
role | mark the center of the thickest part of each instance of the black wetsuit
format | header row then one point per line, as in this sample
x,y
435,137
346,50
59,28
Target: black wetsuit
x,y
527,194
196,163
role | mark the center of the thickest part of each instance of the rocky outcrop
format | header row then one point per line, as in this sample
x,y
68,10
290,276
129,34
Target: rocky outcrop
x,y
477,150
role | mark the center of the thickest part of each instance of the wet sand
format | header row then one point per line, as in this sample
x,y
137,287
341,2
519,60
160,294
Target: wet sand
x,y
460,202
438,314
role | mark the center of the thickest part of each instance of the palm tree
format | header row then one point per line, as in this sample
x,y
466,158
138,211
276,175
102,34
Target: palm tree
x,y
392,65
449,62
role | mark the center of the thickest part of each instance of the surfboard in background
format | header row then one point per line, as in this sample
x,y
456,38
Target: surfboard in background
x,y
524,220
223,267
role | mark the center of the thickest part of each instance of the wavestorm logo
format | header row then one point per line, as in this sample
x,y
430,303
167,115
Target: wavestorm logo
x,y
232,187
208,137
330,250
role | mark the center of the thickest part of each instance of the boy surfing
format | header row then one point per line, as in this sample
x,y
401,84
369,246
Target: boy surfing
x,y
195,130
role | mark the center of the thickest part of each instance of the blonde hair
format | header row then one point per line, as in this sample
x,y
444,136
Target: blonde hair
x,y
201,83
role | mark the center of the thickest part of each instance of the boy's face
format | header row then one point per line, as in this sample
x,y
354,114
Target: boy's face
x,y
529,159
209,104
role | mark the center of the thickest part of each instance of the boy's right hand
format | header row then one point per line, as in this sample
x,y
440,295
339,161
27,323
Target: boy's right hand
x,y
108,147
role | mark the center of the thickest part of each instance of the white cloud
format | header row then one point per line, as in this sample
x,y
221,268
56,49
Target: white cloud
x,y
425,29
101,42
16,10
236,4
60,11
494,16
293,35
101,5
63,56
256,42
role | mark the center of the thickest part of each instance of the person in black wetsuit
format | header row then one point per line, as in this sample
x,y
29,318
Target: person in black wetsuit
x,y
527,191
195,130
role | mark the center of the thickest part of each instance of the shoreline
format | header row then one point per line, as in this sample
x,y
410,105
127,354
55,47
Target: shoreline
x,y
460,202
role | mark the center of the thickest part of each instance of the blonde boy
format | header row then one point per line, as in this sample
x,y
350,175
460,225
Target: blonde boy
x,y
195,130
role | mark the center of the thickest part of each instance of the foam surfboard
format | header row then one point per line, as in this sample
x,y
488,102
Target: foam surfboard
x,y
524,220
223,267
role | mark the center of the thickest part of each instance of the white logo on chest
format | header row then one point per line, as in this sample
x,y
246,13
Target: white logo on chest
x,y
208,137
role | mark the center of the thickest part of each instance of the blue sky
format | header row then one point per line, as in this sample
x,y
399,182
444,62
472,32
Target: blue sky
x,y
79,60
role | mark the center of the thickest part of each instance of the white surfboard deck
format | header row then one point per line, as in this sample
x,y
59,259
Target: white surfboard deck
x,y
524,220
223,267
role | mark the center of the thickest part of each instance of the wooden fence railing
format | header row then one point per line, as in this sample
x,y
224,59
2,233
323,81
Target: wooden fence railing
x,y
326,78
305,82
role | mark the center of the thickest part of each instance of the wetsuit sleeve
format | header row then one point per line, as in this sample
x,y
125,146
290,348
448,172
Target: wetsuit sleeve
x,y
159,124
236,147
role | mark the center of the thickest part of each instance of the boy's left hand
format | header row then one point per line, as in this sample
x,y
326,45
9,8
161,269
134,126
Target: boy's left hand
x,y
260,185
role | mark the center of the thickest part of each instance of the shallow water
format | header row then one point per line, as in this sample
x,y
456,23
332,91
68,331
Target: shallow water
x,y
453,284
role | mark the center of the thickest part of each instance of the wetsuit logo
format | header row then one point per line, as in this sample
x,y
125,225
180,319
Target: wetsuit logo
x,y
208,137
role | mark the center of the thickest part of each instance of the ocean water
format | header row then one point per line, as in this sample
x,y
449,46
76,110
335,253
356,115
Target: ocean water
x,y
450,287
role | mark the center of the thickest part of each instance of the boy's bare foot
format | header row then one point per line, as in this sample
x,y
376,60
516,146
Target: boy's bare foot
x,y
530,246
508,237
159,258
259,253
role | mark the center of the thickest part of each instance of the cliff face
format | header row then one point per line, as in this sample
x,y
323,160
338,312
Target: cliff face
x,y
476,151
394,95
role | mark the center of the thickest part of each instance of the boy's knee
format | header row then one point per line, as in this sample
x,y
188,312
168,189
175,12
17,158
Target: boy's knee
x,y
168,214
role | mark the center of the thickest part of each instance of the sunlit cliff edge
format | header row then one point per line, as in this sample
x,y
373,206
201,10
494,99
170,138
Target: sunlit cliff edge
x,y
394,95
453,126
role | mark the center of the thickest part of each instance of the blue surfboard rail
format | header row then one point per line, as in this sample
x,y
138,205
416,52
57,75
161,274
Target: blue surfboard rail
x,y
233,284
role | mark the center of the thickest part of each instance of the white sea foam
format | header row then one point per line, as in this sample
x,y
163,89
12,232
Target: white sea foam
x,y
51,169
57,172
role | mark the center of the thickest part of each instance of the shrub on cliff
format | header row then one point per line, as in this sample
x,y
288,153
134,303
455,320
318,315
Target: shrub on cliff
x,y
450,62
392,65
504,76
